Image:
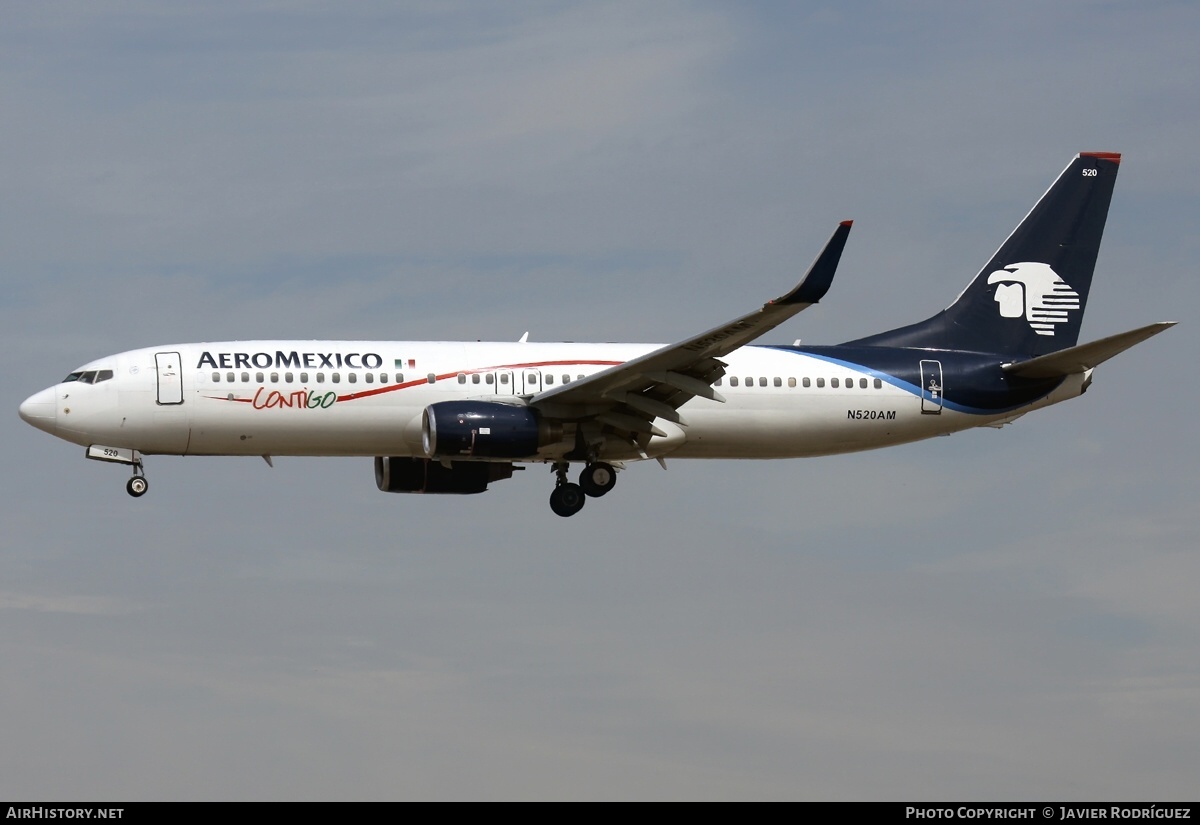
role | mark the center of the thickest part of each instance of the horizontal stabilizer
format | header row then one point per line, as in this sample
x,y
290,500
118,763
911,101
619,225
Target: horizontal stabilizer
x,y
1085,356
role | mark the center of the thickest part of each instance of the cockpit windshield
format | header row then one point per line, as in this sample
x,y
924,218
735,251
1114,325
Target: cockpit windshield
x,y
89,377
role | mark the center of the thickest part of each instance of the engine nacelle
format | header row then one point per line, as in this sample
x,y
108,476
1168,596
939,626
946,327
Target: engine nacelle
x,y
484,429
398,474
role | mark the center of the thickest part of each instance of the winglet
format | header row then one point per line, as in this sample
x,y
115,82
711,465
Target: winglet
x,y
820,275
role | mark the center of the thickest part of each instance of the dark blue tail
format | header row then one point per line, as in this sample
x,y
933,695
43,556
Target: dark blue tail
x,y
1029,299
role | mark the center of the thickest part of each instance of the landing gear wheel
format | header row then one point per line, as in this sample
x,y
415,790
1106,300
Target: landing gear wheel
x,y
137,486
567,499
597,479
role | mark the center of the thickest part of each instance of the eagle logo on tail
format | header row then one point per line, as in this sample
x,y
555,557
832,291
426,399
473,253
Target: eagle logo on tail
x,y
1034,291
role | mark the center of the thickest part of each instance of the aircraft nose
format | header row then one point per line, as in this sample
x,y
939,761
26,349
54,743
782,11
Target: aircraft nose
x,y
39,410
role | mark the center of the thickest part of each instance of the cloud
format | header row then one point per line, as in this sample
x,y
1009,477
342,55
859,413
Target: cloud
x,y
946,618
74,605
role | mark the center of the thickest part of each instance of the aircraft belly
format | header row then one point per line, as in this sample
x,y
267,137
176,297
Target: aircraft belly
x,y
825,425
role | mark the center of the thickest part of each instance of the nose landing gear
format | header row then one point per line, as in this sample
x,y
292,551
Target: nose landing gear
x,y
138,485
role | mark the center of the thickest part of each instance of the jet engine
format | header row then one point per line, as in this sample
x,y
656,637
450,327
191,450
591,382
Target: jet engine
x,y
484,429
397,474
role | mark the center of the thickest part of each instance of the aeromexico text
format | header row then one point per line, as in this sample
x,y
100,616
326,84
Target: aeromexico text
x,y
296,360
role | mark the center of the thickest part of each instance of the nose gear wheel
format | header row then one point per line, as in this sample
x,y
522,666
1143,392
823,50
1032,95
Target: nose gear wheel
x,y
137,486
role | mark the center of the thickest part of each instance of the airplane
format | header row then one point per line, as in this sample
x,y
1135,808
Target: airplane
x,y
442,417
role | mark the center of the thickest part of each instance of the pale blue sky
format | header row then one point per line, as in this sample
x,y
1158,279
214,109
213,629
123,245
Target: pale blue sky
x,y
1001,615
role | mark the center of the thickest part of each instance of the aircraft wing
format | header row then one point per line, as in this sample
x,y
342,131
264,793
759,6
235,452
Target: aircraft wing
x,y
631,395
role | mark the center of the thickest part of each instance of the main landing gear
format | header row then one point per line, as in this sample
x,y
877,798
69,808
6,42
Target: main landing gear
x,y
597,479
568,499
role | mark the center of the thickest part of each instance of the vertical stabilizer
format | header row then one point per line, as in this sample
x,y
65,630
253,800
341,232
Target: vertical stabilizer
x,y
1030,297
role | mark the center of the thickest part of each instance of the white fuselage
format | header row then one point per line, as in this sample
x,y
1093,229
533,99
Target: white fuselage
x,y
366,398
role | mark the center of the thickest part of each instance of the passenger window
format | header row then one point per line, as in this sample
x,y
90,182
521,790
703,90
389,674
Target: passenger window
x,y
245,378
383,378
833,382
733,382
489,379
369,377
503,378
431,378
274,378
475,378
878,384
749,382
778,381
337,378
821,382
352,378
849,383
287,377
862,383
230,377
399,378
549,379
717,383
792,382
808,382
304,378
320,378
762,381
258,376
216,377
566,379
462,378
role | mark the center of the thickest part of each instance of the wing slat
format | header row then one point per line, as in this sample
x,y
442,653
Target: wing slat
x,y
658,383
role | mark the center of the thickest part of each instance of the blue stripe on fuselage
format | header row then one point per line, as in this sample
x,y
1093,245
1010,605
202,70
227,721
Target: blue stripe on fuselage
x,y
973,382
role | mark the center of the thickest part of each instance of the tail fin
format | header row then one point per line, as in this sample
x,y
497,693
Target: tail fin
x,y
1030,297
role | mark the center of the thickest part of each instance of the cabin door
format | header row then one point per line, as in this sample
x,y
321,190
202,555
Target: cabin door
x,y
532,380
931,387
504,382
170,378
